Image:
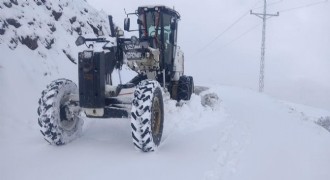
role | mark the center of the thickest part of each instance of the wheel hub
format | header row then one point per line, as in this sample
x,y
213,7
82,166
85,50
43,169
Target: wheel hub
x,y
156,119
67,115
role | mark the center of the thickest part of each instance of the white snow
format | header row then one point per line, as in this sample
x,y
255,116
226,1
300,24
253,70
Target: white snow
x,y
248,135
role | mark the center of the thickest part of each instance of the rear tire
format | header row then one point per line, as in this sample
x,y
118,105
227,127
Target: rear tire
x,y
192,85
59,118
147,116
185,88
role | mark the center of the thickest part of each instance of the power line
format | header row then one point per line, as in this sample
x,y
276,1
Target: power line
x,y
241,35
304,6
269,4
238,37
273,3
227,29
223,32
246,13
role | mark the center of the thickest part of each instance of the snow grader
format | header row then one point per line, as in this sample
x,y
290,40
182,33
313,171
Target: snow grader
x,y
156,58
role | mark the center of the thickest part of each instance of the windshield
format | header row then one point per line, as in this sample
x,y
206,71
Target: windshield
x,y
150,26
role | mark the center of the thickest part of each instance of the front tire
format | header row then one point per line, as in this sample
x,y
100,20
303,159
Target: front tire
x,y
147,116
59,118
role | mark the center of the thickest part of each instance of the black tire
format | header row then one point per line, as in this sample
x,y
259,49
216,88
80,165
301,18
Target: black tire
x,y
192,85
59,118
185,88
147,116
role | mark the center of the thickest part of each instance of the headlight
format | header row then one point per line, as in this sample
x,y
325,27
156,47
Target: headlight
x,y
87,54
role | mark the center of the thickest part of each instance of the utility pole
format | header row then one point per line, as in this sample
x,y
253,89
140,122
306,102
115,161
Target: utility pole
x,y
264,16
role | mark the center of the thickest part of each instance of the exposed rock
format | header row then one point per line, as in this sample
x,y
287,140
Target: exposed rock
x,y
38,2
2,27
5,24
2,31
69,57
13,43
8,4
13,22
56,15
82,24
43,55
95,30
70,30
100,28
34,32
31,43
49,43
52,27
73,19
324,122
78,30
14,2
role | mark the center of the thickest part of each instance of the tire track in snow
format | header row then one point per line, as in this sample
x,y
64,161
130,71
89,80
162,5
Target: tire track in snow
x,y
232,138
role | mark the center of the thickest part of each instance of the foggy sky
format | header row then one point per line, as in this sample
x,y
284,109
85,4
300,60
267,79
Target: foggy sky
x,y
297,44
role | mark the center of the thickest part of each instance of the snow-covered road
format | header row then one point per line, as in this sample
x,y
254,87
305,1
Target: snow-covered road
x,y
247,136
268,141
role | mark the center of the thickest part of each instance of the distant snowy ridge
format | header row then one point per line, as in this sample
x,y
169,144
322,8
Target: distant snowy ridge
x,y
49,25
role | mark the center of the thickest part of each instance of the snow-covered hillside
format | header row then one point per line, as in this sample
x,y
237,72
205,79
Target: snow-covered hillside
x,y
46,32
247,135
41,24
37,45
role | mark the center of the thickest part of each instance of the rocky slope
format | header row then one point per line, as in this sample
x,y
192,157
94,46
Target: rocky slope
x,y
44,25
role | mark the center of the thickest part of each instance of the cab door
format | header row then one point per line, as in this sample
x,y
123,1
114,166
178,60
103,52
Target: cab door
x,y
169,41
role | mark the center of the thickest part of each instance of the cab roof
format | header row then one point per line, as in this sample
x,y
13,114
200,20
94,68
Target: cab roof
x,y
161,7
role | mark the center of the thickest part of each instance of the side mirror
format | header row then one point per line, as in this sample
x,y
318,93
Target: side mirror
x,y
126,24
80,41
112,26
139,22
